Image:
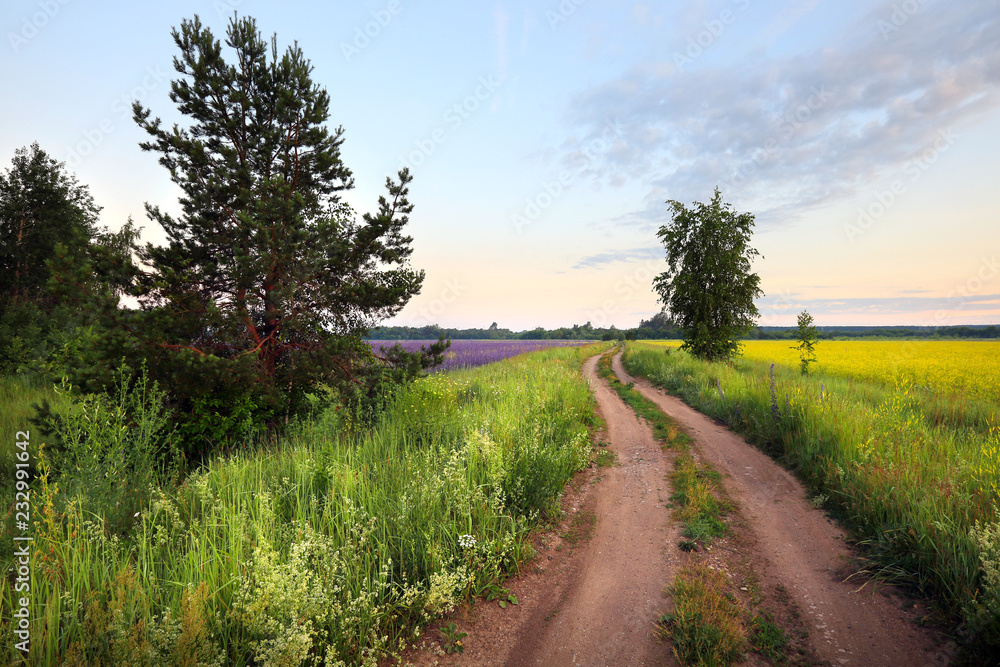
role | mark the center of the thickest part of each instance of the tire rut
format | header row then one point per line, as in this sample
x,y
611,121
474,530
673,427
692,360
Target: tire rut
x,y
803,551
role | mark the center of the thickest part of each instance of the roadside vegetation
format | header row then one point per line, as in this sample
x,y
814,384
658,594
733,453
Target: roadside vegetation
x,y
914,473
336,543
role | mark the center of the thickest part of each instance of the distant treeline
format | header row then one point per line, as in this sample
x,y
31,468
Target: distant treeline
x,y
656,328
659,328
834,332
575,332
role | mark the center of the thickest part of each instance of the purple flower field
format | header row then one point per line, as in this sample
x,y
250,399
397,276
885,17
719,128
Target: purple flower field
x,y
469,353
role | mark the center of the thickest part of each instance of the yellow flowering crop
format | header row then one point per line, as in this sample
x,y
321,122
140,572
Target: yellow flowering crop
x,y
971,368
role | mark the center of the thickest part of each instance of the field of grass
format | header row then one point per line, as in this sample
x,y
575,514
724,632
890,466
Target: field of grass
x,y
967,368
330,546
915,472
17,394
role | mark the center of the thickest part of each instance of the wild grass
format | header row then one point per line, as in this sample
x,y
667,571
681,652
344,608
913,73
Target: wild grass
x,y
17,394
913,485
329,547
695,495
705,626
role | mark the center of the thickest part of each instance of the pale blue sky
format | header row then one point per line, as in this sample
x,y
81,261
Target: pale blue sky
x,y
545,137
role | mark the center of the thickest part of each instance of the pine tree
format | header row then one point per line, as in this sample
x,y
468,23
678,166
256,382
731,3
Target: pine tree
x,y
268,282
40,206
44,213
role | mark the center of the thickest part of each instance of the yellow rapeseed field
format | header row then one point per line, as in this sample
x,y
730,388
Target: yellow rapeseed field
x,y
971,368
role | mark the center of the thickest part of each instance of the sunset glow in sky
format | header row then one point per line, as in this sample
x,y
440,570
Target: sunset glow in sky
x,y
545,138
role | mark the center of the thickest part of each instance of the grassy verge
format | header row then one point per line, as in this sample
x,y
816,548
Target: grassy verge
x,y
918,483
327,547
698,498
713,621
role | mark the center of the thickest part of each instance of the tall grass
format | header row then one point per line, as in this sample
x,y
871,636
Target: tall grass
x,y
331,547
914,486
705,625
17,394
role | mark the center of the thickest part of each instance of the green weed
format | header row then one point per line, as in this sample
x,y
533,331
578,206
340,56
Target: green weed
x,y
705,626
451,638
768,638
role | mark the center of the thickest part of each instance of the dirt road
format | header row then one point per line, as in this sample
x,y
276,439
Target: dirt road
x,y
610,608
596,587
802,551
594,602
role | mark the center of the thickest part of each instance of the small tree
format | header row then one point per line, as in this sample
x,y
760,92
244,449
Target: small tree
x,y
806,336
708,287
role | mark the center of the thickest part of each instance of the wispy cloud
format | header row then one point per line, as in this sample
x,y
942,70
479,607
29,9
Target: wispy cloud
x,y
631,255
787,134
